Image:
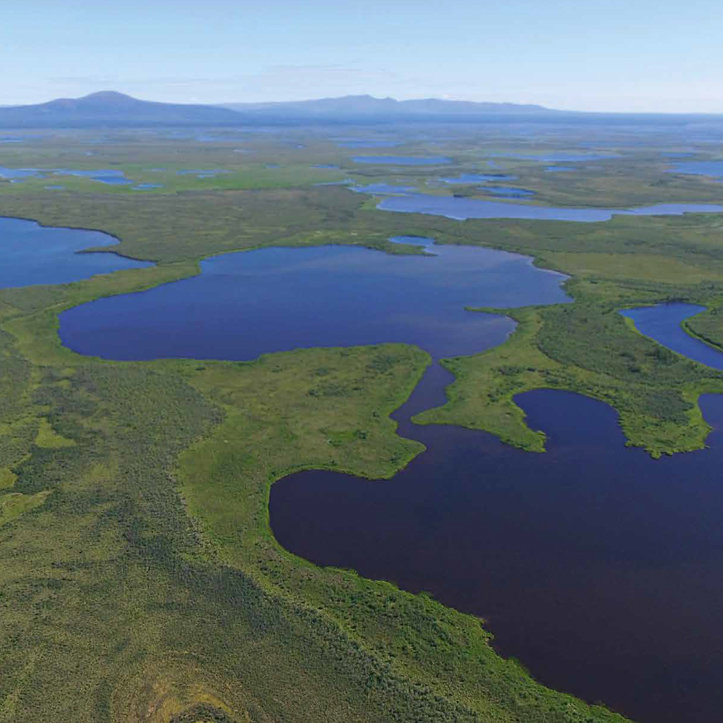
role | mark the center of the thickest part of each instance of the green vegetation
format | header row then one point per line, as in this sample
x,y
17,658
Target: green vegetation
x,y
653,389
140,580
707,326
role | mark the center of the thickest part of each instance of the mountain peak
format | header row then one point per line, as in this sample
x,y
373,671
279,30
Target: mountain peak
x,y
109,96
109,108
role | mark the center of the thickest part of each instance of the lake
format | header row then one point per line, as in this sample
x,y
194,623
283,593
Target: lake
x,y
35,254
254,302
600,568
464,208
107,176
699,168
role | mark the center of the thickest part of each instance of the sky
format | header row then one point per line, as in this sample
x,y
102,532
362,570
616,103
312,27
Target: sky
x,y
595,55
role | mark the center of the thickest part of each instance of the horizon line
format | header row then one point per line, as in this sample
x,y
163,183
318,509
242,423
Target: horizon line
x,y
226,104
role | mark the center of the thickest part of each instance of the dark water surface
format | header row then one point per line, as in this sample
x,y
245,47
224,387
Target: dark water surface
x,y
250,303
598,567
34,254
663,323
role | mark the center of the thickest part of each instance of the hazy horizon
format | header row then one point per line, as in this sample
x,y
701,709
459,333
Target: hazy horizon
x,y
232,103
609,56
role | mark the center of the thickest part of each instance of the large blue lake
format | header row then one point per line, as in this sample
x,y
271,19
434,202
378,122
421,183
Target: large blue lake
x,y
600,568
35,254
246,304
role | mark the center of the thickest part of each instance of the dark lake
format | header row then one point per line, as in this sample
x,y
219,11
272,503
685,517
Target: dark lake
x,y
463,208
35,254
250,303
600,568
663,323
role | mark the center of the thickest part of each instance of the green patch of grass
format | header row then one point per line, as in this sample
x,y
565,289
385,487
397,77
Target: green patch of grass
x,y
707,326
48,438
14,504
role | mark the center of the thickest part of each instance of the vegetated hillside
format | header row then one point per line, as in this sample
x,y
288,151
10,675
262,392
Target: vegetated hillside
x,y
109,108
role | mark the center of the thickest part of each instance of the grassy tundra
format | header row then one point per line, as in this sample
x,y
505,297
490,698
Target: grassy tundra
x,y
140,580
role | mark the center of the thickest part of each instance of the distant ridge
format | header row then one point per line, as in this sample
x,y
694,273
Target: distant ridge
x,y
112,109
367,106
108,108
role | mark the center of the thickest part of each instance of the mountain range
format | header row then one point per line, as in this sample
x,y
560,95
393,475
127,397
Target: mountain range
x,y
367,106
112,109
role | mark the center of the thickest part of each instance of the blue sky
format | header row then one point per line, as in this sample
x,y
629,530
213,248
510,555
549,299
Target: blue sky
x,y
637,55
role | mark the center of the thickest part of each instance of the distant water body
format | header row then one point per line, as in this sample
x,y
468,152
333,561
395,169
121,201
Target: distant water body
x,y
699,168
403,160
107,176
464,208
34,254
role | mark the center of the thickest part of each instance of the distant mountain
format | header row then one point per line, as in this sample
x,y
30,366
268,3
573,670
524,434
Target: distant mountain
x,y
367,107
109,108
